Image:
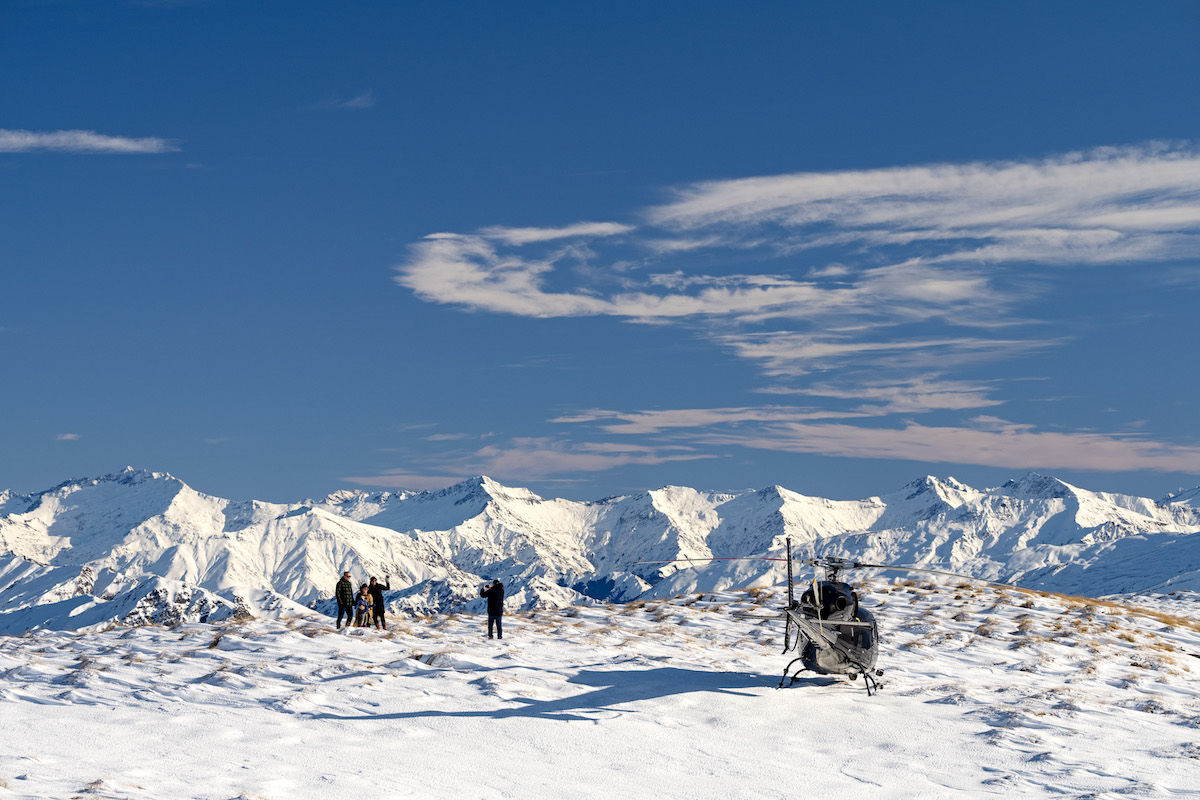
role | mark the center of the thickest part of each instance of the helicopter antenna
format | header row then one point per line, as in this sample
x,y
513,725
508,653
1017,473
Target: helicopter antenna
x,y
817,596
787,621
791,591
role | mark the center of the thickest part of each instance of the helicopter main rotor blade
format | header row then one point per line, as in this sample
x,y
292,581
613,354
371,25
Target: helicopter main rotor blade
x,y
706,558
838,623
905,568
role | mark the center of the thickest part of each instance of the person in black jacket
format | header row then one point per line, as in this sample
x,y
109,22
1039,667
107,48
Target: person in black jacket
x,y
494,592
344,594
377,589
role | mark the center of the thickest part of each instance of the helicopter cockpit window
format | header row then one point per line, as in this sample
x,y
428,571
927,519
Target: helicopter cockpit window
x,y
836,599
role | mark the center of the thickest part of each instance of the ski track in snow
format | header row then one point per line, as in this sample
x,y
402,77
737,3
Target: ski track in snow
x,y
990,692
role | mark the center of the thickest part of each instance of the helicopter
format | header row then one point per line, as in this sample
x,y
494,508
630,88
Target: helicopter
x,y
833,633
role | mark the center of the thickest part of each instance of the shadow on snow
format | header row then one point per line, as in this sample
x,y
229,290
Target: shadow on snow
x,y
610,688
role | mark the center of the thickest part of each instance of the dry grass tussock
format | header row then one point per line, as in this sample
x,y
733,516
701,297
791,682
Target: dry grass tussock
x,y
602,629
988,628
1079,602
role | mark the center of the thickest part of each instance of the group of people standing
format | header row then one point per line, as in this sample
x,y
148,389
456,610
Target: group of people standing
x,y
366,606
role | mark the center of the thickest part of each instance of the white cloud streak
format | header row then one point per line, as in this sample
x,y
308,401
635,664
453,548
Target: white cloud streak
x,y
650,422
1010,446
988,441
918,395
533,458
80,142
357,103
939,227
794,354
1103,206
469,271
540,457
520,236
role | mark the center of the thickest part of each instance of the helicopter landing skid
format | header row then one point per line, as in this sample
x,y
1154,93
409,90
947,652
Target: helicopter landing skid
x,y
869,681
868,676
788,669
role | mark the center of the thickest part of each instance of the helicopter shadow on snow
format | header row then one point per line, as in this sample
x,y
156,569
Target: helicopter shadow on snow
x,y
610,691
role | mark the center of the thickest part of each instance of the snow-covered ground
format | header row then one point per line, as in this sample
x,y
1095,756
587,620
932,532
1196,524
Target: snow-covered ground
x,y
988,692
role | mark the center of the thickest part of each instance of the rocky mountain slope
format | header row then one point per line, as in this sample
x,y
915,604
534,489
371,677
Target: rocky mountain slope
x,y
139,546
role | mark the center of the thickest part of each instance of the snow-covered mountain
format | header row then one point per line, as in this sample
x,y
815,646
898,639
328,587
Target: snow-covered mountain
x,y
139,546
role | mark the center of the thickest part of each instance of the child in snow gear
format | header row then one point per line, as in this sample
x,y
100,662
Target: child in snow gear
x,y
494,592
344,594
362,607
377,589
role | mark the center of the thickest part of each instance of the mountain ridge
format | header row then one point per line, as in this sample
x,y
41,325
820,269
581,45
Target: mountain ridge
x,y
67,554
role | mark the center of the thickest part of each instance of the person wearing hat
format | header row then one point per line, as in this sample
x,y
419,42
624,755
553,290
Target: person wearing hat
x,y
362,607
494,592
344,594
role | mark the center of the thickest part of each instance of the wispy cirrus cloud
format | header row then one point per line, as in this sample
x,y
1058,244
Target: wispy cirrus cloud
x,y
783,353
917,395
865,291
359,102
520,236
984,441
1099,206
926,241
80,142
473,272
987,443
531,458
934,228
541,457
657,421
469,271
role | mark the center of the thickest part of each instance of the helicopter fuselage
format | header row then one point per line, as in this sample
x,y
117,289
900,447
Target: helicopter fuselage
x,y
838,636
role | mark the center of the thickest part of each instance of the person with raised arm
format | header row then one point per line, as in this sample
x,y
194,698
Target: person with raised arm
x,y
377,589
494,592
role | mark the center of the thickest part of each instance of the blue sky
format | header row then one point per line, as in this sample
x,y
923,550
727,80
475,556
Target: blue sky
x,y
279,249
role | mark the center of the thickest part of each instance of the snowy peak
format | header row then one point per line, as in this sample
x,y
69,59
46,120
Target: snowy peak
x,y
1190,499
129,476
117,534
930,491
88,517
483,489
687,509
926,499
1038,487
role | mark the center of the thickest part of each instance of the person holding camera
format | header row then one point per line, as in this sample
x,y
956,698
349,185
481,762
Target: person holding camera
x,y
494,592
377,608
